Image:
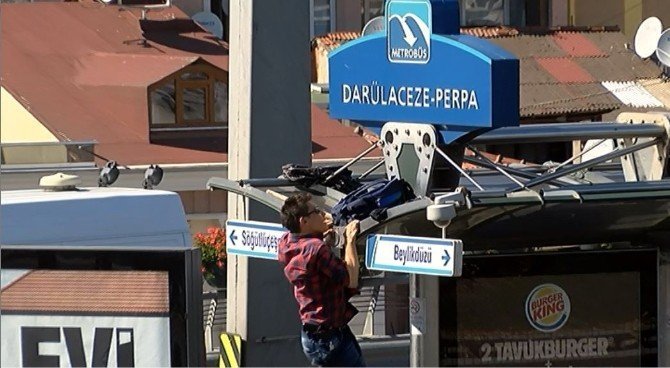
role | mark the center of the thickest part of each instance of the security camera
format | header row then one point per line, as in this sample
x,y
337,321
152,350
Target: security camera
x,y
441,214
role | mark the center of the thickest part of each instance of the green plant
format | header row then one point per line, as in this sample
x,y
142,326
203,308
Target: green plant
x,y
212,246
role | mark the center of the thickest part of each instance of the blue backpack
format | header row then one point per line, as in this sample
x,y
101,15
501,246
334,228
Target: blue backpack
x,y
372,199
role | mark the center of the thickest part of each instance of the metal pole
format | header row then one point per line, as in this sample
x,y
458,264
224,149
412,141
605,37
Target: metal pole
x,y
553,169
415,337
458,167
353,161
500,170
588,164
521,173
372,169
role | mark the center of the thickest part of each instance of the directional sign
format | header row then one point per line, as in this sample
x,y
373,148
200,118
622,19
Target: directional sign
x,y
253,238
427,256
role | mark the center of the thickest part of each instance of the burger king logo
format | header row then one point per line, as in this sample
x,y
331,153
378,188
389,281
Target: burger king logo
x,y
547,307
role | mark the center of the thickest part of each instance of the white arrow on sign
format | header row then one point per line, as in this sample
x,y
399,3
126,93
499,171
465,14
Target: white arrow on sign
x,y
409,254
253,238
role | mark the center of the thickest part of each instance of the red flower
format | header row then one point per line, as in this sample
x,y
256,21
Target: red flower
x,y
212,246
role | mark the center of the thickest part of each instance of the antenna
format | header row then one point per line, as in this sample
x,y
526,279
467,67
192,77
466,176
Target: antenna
x,y
210,22
663,48
374,25
647,36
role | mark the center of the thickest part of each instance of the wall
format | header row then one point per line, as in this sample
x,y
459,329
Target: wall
x,y
18,125
348,16
597,12
190,7
627,14
657,8
558,13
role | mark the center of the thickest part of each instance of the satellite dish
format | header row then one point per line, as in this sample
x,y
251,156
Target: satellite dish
x,y
646,37
663,49
210,22
374,25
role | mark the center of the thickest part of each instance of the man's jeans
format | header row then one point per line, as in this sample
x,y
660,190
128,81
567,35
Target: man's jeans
x,y
336,349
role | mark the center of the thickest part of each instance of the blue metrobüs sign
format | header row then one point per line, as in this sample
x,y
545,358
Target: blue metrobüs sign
x,y
455,82
409,28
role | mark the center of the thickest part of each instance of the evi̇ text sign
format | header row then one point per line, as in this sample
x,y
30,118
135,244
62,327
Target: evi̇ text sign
x,y
410,74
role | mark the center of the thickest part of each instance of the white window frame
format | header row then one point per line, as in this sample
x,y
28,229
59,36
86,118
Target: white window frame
x,y
333,17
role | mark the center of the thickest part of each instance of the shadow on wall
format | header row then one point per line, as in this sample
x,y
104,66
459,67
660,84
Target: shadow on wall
x,y
163,32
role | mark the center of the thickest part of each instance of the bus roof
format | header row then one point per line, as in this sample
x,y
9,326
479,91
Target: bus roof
x,y
93,217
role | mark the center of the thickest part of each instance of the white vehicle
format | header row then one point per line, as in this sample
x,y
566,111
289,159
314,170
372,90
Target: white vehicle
x,y
98,277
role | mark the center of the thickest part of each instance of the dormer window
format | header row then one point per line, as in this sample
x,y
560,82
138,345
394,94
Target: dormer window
x,y
194,97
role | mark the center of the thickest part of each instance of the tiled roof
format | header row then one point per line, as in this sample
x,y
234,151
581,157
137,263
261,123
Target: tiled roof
x,y
490,32
539,100
333,40
565,70
632,94
620,66
531,72
124,292
659,88
88,80
577,45
528,46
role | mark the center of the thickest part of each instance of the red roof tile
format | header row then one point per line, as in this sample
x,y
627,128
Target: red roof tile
x,y
121,70
565,70
526,46
134,292
490,32
575,44
531,72
330,137
539,100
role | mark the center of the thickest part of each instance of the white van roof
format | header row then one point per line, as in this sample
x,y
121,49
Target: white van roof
x,y
93,217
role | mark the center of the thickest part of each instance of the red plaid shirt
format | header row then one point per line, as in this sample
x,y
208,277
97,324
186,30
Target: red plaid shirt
x,y
319,280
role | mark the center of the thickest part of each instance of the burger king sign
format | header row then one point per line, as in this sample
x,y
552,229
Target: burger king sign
x,y
547,307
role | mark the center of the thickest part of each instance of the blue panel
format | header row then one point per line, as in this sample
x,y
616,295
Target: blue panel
x,y
446,17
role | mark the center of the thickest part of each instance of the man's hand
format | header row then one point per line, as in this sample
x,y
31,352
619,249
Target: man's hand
x,y
328,219
351,231
329,235
350,254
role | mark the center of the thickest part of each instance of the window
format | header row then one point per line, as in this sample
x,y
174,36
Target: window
x,y
322,17
194,97
371,9
516,13
482,12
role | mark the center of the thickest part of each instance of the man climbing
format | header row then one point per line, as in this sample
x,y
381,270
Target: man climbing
x,y
322,283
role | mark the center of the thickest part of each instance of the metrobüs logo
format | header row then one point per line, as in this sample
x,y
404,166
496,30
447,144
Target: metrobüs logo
x,y
408,30
547,307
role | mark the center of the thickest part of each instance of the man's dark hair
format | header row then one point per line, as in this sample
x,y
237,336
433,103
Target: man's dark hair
x,y
293,209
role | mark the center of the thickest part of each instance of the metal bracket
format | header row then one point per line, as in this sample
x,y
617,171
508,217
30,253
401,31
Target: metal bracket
x,y
444,209
649,163
422,138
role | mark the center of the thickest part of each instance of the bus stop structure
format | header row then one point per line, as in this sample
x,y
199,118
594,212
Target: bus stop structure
x,y
562,263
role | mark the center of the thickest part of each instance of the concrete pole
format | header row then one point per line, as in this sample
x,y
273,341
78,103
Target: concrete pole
x,y
269,126
424,323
